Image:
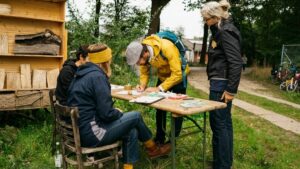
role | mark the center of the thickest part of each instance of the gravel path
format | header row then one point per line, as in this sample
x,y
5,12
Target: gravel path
x,y
198,79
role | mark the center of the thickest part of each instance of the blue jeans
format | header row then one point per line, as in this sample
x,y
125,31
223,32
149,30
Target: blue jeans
x,y
221,126
129,128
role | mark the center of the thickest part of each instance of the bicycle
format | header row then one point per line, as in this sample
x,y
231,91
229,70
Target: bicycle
x,y
294,83
286,75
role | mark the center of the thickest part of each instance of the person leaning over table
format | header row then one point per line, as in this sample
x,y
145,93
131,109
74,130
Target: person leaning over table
x,y
148,54
66,74
224,72
99,122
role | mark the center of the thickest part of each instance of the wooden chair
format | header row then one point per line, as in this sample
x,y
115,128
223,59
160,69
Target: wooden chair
x,y
54,132
72,151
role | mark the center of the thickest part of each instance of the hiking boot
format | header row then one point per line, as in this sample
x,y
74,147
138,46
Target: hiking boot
x,y
159,151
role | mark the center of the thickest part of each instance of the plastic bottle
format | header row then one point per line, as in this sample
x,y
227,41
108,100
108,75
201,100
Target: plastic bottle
x,y
58,156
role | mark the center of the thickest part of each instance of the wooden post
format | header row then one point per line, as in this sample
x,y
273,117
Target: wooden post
x,y
39,79
52,78
2,78
3,43
25,76
13,80
5,9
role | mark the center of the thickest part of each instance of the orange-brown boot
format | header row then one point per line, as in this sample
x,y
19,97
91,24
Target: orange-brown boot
x,y
155,151
127,166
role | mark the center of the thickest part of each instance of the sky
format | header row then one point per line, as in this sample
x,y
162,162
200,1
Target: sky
x,y
172,17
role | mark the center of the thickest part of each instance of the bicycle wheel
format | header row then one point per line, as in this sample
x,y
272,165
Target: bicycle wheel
x,y
282,86
292,87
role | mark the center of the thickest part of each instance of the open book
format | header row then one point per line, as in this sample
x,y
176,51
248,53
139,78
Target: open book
x,y
147,99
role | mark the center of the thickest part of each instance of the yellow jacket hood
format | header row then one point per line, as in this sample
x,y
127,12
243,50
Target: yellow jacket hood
x,y
155,42
168,69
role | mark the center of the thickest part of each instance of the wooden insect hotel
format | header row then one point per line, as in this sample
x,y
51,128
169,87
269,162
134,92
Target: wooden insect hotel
x,y
33,46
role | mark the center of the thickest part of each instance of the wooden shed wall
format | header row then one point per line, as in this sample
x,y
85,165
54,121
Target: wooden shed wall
x,y
13,26
36,9
30,17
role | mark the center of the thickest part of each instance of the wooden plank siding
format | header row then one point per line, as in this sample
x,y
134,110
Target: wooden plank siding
x,y
25,76
2,78
30,17
39,79
13,80
35,9
12,64
3,43
13,26
52,78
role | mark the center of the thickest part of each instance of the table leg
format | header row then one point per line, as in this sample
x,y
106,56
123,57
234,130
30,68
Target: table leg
x,y
173,142
204,139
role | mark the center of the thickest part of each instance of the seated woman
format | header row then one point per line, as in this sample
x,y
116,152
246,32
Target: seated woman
x,y
99,122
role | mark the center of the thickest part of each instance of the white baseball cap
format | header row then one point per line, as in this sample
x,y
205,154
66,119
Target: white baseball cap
x,y
133,52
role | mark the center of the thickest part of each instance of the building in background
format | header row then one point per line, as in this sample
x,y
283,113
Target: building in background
x,y
193,49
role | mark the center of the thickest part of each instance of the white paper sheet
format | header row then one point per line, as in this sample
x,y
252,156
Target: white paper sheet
x,y
146,99
114,87
129,92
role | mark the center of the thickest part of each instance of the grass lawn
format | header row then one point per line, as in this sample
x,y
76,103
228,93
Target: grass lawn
x,y
280,108
257,143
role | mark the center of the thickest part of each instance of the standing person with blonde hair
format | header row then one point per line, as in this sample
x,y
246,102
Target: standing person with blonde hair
x,y
99,122
224,71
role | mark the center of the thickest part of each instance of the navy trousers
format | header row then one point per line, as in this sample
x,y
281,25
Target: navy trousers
x,y
221,126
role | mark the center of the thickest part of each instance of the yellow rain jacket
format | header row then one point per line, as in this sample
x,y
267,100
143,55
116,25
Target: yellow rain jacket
x,y
168,71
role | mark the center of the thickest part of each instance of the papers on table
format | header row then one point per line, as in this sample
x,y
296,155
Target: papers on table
x,y
123,92
192,103
115,87
147,99
129,92
169,95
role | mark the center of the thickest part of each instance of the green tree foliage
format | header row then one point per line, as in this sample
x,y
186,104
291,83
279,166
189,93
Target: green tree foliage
x,y
119,24
265,26
80,31
122,25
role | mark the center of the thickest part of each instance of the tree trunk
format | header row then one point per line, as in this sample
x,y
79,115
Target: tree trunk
x,y
156,8
119,5
98,8
251,58
204,42
265,62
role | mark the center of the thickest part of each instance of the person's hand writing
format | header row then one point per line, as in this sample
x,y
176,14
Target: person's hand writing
x,y
227,97
152,89
140,88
